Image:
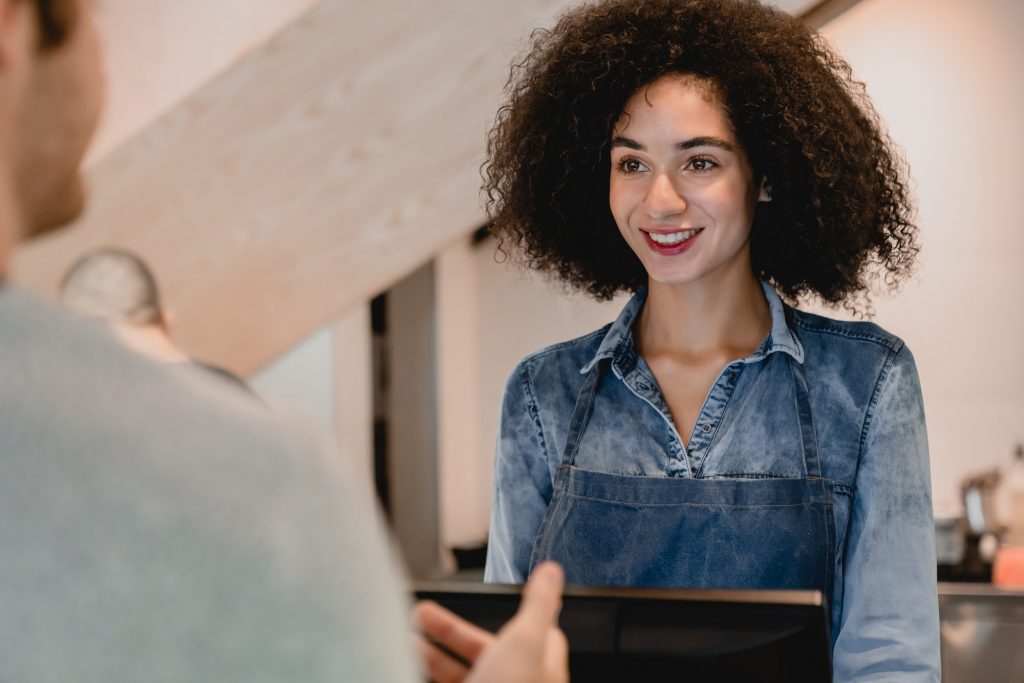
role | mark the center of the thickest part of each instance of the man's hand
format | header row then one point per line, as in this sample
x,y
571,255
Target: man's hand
x,y
529,648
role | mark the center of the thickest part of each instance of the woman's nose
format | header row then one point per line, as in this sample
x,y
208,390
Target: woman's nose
x,y
663,199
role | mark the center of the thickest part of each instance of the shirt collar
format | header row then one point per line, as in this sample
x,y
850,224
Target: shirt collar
x,y
618,346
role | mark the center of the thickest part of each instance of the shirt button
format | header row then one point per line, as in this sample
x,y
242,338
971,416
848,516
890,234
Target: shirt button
x,y
732,376
705,428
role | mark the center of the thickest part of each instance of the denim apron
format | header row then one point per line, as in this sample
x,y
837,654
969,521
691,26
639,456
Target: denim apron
x,y
618,530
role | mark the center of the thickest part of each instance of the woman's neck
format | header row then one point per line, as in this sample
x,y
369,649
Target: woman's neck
x,y
729,316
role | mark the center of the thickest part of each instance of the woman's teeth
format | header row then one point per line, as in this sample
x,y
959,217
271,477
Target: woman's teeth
x,y
670,238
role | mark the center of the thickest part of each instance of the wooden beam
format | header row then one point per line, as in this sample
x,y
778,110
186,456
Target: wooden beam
x,y
157,52
825,11
333,160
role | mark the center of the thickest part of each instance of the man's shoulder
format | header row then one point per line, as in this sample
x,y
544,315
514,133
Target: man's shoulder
x,y
161,488
75,374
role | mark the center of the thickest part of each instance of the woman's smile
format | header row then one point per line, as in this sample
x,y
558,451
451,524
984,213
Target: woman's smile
x,y
671,242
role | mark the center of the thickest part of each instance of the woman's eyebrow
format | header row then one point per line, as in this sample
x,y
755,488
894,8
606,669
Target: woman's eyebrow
x,y
622,141
702,141
706,141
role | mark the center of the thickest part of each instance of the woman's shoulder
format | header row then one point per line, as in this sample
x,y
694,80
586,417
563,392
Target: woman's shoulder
x,y
853,357
576,352
559,364
848,335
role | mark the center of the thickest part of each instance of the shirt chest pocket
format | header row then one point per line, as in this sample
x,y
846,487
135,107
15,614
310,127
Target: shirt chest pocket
x,y
780,458
761,438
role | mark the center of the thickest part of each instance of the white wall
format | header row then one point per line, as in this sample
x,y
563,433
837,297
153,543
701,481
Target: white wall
x,y
326,382
490,316
944,75
299,382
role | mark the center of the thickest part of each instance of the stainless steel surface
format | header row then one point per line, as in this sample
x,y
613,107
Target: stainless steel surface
x,y
950,590
982,633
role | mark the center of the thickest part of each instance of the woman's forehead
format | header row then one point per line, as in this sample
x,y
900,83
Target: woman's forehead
x,y
674,105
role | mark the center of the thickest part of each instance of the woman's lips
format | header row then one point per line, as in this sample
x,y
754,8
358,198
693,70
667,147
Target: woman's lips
x,y
671,242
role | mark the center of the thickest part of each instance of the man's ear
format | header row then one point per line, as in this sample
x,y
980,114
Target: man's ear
x,y
18,31
765,195
166,319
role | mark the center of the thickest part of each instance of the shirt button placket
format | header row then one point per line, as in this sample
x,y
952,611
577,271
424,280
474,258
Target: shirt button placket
x,y
720,395
677,461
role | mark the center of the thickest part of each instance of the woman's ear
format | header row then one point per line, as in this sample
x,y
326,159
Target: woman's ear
x,y
765,195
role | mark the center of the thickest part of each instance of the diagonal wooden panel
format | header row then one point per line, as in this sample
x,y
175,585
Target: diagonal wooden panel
x,y
313,174
817,14
157,52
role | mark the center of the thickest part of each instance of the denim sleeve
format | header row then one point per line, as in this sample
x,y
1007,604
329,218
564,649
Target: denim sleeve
x,y
889,626
522,484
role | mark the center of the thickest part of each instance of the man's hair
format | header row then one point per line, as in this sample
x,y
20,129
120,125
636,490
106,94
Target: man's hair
x,y
113,284
840,213
56,19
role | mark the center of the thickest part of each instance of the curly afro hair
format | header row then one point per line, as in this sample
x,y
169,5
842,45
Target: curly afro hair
x,y
840,211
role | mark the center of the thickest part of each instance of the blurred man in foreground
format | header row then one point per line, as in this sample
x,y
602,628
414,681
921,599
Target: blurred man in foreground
x,y
157,526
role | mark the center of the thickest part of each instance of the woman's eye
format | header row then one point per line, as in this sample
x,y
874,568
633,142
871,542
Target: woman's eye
x,y
701,164
630,166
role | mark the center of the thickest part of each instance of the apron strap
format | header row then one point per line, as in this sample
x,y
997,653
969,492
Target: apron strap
x,y
580,416
577,423
812,460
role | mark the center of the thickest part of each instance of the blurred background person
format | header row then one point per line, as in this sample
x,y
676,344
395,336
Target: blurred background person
x,y
116,285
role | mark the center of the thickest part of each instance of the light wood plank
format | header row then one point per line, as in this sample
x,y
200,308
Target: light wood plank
x,y
157,52
330,162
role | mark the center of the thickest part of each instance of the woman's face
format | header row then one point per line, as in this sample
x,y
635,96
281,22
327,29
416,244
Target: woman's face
x,y
682,190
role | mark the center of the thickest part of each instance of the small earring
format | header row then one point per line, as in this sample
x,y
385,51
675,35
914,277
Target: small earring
x,y
768,193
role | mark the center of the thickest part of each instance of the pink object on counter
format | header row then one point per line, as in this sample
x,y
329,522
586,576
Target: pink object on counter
x,y
1008,569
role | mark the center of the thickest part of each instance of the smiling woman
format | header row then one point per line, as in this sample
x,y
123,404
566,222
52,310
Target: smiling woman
x,y
716,160
840,199
679,178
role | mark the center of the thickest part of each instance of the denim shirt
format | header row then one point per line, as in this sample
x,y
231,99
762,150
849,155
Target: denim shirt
x,y
869,419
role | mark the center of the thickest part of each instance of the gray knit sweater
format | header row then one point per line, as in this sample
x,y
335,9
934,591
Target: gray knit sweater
x,y
157,526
